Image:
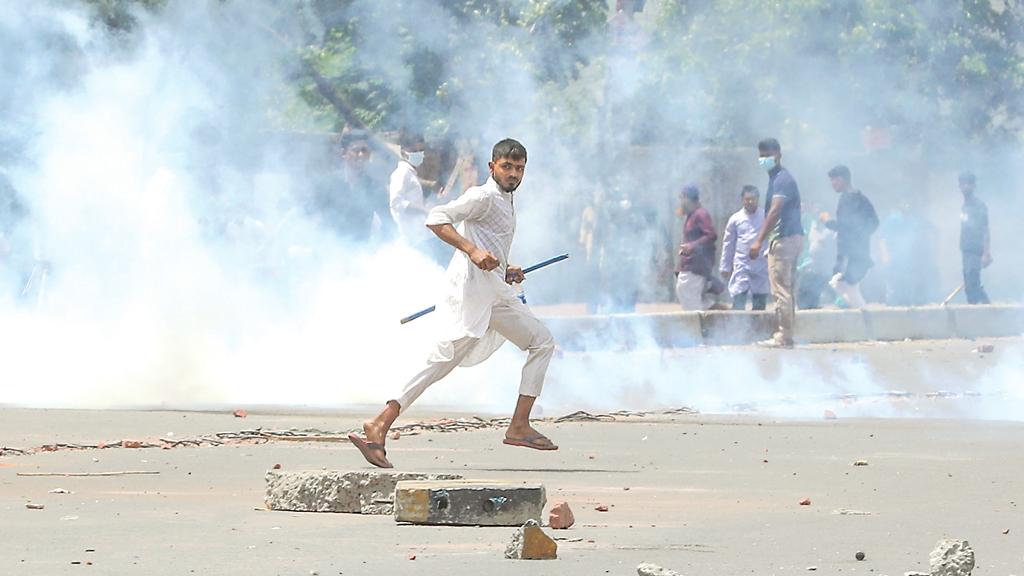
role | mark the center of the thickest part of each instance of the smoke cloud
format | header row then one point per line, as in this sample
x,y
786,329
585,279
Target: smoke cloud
x,y
160,252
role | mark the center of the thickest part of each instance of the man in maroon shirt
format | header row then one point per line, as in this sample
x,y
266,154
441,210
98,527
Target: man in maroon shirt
x,y
696,253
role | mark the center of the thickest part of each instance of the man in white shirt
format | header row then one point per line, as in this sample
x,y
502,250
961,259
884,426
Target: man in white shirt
x,y
747,278
405,192
479,310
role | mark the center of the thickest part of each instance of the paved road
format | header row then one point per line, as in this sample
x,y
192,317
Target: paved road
x,y
703,494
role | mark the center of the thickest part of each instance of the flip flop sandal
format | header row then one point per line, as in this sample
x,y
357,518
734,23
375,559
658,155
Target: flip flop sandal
x,y
365,449
531,442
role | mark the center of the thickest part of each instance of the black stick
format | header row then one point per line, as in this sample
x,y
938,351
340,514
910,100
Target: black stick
x,y
533,268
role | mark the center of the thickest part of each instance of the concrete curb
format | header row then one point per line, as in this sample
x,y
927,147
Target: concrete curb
x,y
714,328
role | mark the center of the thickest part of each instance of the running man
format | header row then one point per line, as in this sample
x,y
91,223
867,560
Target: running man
x,y
479,309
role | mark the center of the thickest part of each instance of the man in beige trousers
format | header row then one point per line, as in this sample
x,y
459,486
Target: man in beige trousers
x,y
785,235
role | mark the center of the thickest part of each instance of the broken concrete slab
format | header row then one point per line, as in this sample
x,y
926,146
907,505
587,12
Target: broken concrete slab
x,y
531,543
647,569
952,558
468,503
363,492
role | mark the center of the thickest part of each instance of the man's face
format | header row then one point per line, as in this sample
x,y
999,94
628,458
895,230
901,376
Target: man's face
x,y
357,155
508,172
770,154
966,187
838,183
750,201
687,204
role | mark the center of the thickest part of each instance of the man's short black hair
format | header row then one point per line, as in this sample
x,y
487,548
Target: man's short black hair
x,y
508,148
352,136
840,171
690,192
967,176
769,145
749,189
410,139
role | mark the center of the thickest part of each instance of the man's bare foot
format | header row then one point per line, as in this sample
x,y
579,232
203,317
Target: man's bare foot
x,y
372,448
527,437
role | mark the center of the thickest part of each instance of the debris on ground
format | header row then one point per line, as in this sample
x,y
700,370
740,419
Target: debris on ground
x,y
395,435
261,436
859,555
561,517
60,491
131,444
805,502
240,413
860,463
531,543
601,508
851,512
32,506
648,569
952,558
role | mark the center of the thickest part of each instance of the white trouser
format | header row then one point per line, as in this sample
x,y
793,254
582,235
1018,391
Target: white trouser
x,y
690,289
850,293
518,325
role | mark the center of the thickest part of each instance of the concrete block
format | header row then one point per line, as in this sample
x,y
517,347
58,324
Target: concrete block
x,y
676,329
335,491
626,331
531,543
897,323
988,321
818,326
468,503
952,558
729,327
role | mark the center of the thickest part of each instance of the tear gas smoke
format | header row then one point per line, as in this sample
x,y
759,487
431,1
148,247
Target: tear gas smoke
x,y
160,188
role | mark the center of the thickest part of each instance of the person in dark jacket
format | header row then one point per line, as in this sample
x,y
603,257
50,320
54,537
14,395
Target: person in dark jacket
x,y
974,240
855,222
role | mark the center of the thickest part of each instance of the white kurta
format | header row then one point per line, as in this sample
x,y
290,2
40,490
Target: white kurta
x,y
747,275
406,202
486,217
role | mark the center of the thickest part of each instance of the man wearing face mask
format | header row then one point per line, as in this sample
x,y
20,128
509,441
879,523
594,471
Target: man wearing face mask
x,y
479,310
408,209
785,236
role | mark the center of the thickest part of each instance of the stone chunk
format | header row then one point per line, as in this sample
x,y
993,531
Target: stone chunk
x,y
561,517
952,558
468,503
531,543
647,569
334,491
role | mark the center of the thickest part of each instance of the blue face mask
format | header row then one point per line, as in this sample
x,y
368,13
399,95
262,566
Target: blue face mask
x,y
415,158
767,163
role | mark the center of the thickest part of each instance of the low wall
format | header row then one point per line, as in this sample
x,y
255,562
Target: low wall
x,y
685,329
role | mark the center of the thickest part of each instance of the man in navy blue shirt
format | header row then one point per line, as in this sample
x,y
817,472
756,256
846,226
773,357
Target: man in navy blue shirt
x,y
785,236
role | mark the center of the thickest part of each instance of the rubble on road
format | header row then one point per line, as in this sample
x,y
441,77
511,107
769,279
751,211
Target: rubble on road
x,y
952,558
468,503
561,517
364,492
648,569
531,543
